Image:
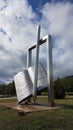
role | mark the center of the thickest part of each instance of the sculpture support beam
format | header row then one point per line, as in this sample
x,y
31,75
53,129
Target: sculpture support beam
x,y
50,71
41,41
29,58
36,65
47,39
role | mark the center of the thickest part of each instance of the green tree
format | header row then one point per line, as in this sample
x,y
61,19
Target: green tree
x,y
2,89
70,88
8,89
59,90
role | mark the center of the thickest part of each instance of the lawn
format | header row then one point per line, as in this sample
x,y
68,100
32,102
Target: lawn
x,y
61,119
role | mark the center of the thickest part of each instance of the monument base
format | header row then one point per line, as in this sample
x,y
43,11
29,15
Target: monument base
x,y
30,107
27,108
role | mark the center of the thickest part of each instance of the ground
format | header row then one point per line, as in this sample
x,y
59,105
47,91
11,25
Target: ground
x,y
58,119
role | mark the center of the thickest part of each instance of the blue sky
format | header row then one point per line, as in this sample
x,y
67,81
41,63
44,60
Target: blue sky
x,y
18,24
36,4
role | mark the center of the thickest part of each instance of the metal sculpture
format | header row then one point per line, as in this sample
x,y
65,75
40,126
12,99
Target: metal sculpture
x,y
49,74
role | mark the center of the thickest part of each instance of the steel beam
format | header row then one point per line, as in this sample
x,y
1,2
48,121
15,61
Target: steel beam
x,y
50,71
36,65
47,39
41,41
29,58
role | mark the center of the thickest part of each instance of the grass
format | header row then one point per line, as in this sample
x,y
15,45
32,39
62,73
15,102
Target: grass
x,y
8,100
61,119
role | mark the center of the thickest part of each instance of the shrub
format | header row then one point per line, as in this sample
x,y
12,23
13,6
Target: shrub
x,y
8,89
59,90
70,88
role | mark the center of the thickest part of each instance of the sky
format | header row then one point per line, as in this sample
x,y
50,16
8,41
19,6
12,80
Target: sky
x,y
18,25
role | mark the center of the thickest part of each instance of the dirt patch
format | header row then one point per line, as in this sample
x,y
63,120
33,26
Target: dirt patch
x,y
29,107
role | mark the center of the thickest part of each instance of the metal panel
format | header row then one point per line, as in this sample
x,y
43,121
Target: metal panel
x,y
42,84
42,77
23,85
24,82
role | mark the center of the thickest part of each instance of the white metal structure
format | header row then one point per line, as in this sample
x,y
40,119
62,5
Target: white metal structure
x,y
48,40
25,87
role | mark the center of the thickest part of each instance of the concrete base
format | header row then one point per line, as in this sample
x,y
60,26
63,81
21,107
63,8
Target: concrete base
x,y
30,107
35,107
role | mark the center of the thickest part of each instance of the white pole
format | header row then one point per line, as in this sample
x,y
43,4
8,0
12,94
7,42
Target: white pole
x,y
36,65
50,71
29,58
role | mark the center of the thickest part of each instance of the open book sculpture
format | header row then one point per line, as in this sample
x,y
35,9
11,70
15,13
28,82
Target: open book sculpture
x,y
24,82
35,78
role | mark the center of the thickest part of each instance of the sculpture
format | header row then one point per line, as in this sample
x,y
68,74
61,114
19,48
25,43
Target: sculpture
x,y
25,85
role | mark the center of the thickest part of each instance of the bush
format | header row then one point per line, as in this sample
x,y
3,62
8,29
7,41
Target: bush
x,y
59,90
8,89
70,88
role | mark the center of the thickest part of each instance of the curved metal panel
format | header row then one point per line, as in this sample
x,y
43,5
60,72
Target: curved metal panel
x,y
23,85
42,77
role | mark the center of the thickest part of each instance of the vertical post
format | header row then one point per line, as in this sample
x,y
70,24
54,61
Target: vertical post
x,y
29,58
50,71
36,65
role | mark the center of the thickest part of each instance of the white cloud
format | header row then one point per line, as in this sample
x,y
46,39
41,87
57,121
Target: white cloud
x,y
2,4
17,20
57,18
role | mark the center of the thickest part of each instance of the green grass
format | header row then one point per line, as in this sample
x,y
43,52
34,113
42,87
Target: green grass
x,y
61,119
7,100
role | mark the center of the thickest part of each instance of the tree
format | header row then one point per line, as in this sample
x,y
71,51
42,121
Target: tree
x,y
8,89
59,90
2,89
70,88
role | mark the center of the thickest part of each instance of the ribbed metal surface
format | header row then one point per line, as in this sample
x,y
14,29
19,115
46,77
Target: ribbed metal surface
x,y
24,82
23,85
42,77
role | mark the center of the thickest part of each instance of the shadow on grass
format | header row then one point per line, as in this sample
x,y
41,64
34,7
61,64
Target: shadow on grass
x,y
66,106
69,106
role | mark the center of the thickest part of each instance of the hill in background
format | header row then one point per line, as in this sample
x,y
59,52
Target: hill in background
x,y
67,80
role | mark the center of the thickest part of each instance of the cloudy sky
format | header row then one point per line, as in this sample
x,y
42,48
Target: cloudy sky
x,y
18,24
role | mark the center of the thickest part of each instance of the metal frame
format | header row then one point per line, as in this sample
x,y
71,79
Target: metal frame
x,y
47,39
